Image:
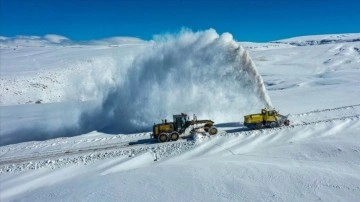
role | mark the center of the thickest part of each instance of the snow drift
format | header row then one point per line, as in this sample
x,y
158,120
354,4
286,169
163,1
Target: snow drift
x,y
204,73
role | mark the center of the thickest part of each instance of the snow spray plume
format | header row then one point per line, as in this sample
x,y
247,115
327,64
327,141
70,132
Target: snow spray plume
x,y
201,73
255,77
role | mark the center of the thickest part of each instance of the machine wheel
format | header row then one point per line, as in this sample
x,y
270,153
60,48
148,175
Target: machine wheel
x,y
273,124
174,136
286,122
163,137
213,130
207,127
258,126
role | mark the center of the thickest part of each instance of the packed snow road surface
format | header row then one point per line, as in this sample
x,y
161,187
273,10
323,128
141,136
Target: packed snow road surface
x,y
63,151
307,161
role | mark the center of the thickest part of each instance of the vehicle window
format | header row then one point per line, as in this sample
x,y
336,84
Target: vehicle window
x,y
183,121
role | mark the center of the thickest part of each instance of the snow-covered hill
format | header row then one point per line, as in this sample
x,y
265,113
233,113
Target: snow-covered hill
x,y
57,97
321,39
57,40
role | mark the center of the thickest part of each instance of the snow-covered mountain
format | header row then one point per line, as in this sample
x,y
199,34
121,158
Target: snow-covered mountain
x,y
321,39
57,40
75,118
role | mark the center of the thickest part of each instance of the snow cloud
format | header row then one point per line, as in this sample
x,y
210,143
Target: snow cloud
x,y
204,73
128,88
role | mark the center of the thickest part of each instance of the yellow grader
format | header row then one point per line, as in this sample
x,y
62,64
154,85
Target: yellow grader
x,y
269,118
171,131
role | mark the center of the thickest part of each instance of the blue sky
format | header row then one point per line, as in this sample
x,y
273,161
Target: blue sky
x,y
247,20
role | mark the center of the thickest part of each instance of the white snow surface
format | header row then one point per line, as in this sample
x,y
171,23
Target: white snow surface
x,y
60,149
321,39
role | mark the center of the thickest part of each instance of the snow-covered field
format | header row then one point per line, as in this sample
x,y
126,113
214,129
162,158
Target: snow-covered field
x,y
75,118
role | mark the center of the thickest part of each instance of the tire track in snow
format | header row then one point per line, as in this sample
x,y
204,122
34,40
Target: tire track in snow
x,y
324,114
349,107
87,156
55,153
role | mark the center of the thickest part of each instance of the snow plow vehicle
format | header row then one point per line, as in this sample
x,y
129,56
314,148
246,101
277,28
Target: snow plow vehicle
x,y
171,131
269,118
